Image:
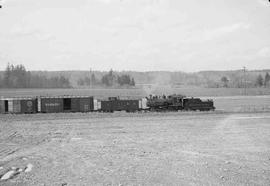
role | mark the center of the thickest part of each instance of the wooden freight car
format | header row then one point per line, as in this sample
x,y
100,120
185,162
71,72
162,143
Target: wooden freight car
x,y
116,104
3,106
18,105
65,104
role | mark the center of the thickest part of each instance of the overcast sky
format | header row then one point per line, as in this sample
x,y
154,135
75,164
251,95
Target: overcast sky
x,y
142,35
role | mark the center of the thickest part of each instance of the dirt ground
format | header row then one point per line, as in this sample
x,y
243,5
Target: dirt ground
x,y
136,149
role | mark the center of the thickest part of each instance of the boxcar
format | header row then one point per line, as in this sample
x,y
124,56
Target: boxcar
x,y
84,104
3,106
115,104
18,105
28,105
50,104
130,105
66,104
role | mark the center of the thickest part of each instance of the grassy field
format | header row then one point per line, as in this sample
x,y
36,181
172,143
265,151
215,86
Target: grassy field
x,y
212,92
136,92
243,103
136,149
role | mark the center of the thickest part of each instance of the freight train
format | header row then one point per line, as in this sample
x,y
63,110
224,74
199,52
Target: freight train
x,y
90,104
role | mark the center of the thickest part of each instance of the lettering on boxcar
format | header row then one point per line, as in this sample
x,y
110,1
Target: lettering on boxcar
x,y
52,104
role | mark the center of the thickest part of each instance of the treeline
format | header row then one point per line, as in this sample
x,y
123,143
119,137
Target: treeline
x,y
109,79
216,79
259,81
16,76
207,79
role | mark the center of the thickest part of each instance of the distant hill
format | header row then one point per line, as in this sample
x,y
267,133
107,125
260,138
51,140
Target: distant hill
x,y
236,78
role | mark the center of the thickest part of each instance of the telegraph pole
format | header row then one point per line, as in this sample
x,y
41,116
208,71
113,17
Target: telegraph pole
x,y
245,82
90,77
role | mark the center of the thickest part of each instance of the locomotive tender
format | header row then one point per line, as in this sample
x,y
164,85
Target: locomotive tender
x,y
89,104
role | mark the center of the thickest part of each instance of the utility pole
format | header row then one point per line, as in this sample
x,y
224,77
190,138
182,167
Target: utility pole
x,y
90,78
245,82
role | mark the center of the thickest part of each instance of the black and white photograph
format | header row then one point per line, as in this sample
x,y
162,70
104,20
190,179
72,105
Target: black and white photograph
x,y
134,92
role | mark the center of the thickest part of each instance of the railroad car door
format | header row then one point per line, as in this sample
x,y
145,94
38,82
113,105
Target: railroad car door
x,y
6,105
67,104
84,104
75,105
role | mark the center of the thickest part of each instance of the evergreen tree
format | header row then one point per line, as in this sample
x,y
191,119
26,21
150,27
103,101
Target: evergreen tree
x,y
7,76
80,82
18,77
87,81
266,79
108,79
225,81
105,80
132,82
1,82
93,79
259,80
124,80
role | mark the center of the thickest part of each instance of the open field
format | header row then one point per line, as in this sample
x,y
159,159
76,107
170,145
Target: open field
x,y
230,146
242,103
137,92
211,92
136,149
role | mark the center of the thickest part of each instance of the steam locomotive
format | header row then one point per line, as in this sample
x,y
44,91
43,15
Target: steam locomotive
x,y
179,102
